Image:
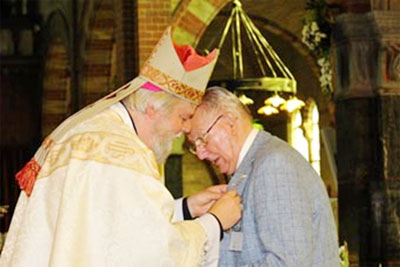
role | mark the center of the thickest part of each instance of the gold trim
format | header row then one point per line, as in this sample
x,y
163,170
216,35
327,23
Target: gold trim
x,y
102,147
171,85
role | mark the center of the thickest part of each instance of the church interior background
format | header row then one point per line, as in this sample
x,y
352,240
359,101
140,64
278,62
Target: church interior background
x,y
58,56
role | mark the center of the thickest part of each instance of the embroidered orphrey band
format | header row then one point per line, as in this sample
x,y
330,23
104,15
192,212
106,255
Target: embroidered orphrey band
x,y
172,85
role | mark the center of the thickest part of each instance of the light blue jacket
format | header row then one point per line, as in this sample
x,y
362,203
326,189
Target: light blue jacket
x,y
287,217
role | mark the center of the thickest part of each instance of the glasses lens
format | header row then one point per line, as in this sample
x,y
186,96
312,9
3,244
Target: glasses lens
x,y
198,143
192,149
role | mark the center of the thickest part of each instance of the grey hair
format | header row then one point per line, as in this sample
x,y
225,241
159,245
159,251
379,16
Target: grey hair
x,y
141,98
219,98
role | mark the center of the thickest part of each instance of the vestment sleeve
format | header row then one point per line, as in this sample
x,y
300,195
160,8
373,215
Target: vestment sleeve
x,y
211,227
211,247
178,212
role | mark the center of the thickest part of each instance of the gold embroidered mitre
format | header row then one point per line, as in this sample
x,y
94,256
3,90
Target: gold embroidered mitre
x,y
178,69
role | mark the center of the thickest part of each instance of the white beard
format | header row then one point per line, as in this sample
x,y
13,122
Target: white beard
x,y
162,142
162,147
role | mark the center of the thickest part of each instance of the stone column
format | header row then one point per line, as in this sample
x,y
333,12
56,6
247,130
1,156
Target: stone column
x,y
367,54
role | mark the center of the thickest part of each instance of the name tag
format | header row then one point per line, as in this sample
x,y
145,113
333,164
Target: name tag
x,y
236,241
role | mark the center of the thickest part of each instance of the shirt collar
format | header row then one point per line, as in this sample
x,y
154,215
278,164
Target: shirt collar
x,y
121,110
246,146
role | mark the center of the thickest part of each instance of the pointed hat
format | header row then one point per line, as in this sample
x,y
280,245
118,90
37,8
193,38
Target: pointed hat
x,y
179,70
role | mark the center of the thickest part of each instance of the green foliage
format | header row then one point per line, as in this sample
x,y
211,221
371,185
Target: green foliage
x,y
257,125
344,255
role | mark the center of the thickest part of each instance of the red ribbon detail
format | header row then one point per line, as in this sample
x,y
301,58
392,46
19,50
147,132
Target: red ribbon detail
x,y
190,59
26,177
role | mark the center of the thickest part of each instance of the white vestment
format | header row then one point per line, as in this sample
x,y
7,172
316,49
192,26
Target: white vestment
x,y
99,200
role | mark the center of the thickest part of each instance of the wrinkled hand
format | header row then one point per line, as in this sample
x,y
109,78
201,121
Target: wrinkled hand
x,y
201,202
228,209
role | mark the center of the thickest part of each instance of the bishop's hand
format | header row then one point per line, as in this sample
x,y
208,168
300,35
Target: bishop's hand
x,y
202,201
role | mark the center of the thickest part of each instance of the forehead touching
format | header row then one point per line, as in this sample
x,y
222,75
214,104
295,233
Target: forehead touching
x,y
202,117
184,109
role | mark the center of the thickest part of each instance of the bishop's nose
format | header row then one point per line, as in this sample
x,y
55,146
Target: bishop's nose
x,y
187,126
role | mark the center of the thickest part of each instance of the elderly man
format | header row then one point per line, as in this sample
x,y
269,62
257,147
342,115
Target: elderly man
x,y
287,219
93,195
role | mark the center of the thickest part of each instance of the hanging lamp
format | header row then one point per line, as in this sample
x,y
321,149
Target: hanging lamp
x,y
275,75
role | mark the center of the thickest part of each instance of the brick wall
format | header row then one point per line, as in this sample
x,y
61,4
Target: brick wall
x,y
153,17
193,17
126,41
97,80
56,103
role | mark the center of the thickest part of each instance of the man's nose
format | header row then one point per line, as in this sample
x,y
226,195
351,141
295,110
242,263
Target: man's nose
x,y
201,152
187,126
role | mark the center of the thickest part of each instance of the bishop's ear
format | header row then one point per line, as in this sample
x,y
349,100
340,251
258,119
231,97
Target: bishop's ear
x,y
150,110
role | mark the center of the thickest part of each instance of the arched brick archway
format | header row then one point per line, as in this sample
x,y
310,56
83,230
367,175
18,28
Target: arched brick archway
x,y
56,93
192,18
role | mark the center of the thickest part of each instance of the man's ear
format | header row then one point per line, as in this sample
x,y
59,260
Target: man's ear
x,y
150,110
231,119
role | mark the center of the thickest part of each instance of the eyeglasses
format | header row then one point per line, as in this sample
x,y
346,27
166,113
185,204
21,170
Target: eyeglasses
x,y
202,140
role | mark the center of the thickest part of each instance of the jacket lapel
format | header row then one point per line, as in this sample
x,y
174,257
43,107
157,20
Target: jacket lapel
x,y
239,180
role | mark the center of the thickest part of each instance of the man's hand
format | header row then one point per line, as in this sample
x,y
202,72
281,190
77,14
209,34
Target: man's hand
x,y
201,202
228,209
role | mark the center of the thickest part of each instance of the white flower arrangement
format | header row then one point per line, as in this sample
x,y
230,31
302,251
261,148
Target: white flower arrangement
x,y
311,35
325,77
315,35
